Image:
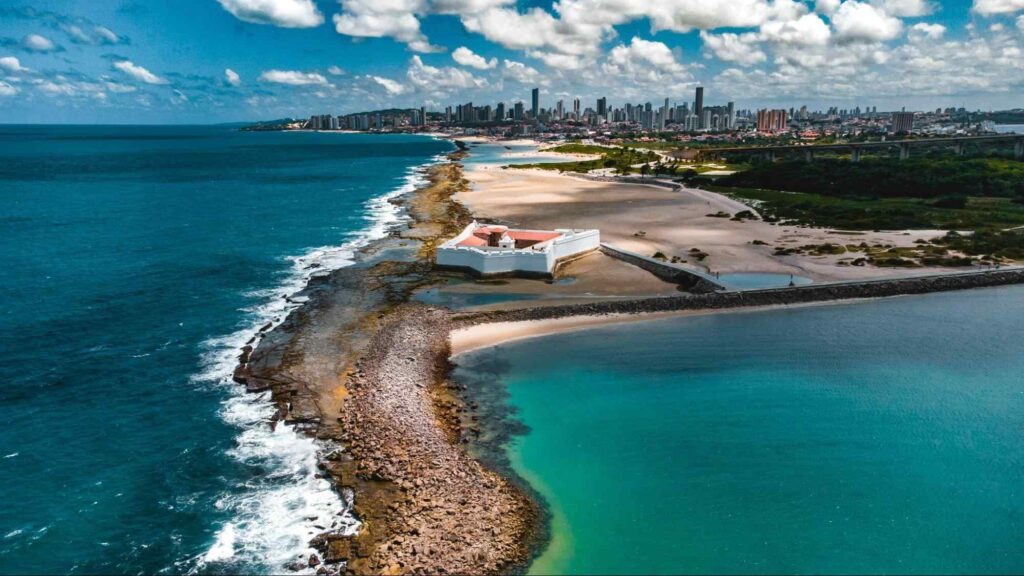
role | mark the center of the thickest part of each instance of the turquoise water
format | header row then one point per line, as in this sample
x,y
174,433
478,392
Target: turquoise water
x,y
133,263
882,437
756,280
504,154
461,300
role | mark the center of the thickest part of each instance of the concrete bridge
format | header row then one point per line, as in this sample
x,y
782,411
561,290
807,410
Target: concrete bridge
x,y
957,143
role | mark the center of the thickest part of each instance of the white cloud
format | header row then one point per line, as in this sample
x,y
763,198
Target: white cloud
x,y
927,30
11,63
335,71
232,77
438,80
37,43
107,35
138,72
392,87
990,7
644,63
807,30
1020,22
283,13
857,21
739,48
7,90
385,18
293,78
466,6
904,8
827,7
521,73
467,57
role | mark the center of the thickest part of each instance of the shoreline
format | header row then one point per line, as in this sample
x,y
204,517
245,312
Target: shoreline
x,y
381,407
367,373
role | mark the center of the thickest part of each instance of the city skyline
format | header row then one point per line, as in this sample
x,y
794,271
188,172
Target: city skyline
x,y
236,60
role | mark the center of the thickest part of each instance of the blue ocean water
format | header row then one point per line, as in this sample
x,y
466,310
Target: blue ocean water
x,y
878,437
133,263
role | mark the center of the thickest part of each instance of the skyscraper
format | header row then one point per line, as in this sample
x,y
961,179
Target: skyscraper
x,y
500,114
902,122
535,109
602,106
698,106
664,116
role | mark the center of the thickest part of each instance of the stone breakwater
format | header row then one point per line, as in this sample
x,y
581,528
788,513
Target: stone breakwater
x,y
756,298
365,373
450,513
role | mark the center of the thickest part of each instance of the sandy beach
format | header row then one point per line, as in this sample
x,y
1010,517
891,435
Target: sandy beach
x,y
651,219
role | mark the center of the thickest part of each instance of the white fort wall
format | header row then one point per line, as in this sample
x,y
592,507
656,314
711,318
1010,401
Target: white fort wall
x,y
537,259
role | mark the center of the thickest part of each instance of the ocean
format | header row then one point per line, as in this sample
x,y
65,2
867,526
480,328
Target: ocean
x,y
134,262
861,438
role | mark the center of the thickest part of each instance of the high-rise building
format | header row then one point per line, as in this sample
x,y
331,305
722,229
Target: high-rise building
x,y
518,113
698,105
771,121
902,122
499,112
602,106
731,122
663,116
559,110
576,108
535,109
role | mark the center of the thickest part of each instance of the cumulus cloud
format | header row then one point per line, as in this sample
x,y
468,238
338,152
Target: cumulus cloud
x,y
379,19
392,87
432,79
927,30
11,64
138,72
37,43
7,90
1020,22
232,77
519,72
293,78
857,21
467,57
283,13
990,7
904,8
827,7
730,47
335,71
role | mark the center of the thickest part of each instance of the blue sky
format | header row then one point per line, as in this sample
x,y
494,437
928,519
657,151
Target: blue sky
x,y
128,61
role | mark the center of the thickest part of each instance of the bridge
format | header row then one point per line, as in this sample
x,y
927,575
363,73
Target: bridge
x,y
957,143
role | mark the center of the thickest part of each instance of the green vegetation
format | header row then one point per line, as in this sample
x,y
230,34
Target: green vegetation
x,y
878,214
943,193
577,148
622,160
885,178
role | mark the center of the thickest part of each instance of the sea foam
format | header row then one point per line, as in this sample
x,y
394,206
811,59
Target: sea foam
x,y
284,504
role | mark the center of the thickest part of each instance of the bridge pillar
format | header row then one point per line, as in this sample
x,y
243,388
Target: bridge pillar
x,y
809,155
904,151
769,156
855,154
1018,149
959,148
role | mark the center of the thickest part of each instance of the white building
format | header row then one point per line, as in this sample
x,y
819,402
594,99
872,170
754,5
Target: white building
x,y
492,249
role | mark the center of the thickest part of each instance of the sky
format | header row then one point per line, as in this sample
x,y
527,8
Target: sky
x,y
207,61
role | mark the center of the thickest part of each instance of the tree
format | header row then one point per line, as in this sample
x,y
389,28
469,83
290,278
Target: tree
x,y
644,170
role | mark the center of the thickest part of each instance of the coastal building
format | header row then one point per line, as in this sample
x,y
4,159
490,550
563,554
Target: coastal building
x,y
489,249
902,123
535,103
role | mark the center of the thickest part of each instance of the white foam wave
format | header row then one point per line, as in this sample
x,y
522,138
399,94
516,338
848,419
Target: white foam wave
x,y
286,503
